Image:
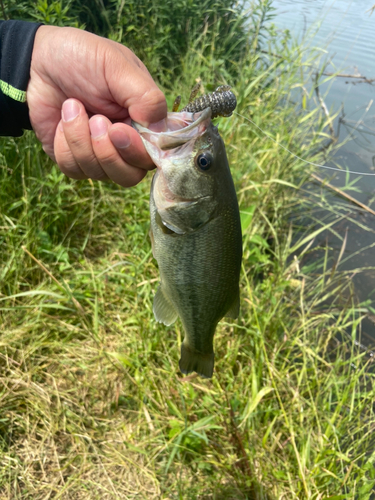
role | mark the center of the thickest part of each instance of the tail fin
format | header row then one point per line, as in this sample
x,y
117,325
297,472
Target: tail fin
x,y
194,361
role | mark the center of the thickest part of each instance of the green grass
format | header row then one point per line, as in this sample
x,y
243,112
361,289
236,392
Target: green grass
x,y
93,405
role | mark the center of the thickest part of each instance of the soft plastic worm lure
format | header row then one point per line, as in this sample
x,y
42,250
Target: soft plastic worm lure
x,y
222,101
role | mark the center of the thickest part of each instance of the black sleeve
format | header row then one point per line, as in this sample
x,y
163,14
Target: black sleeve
x,y
16,46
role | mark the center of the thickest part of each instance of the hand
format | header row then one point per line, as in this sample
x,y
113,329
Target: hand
x,y
82,94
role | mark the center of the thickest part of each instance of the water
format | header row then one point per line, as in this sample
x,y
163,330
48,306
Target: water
x,y
347,33
346,30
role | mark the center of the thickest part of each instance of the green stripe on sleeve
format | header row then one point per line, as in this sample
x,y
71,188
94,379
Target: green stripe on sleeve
x,y
12,92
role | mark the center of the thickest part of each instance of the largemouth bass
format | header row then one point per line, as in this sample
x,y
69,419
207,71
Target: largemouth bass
x,y
195,233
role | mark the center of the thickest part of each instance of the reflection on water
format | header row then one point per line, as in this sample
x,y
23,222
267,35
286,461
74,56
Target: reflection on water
x,y
346,30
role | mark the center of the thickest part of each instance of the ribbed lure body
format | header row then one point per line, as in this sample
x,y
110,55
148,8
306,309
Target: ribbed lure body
x,y
222,102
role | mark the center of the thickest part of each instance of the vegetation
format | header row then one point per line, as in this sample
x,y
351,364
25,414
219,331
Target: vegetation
x,y
92,403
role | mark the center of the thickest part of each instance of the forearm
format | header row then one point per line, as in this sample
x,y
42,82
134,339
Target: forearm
x,y
16,46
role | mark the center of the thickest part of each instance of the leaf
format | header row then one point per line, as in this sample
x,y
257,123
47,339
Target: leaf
x,y
120,357
252,404
336,497
258,240
32,293
247,215
311,236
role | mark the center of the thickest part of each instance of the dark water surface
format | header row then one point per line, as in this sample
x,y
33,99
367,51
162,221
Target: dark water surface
x,y
346,30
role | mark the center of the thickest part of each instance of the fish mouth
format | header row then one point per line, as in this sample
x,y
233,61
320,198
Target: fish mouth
x,y
178,141
182,128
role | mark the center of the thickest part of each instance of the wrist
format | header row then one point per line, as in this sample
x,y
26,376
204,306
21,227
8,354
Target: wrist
x,y
43,49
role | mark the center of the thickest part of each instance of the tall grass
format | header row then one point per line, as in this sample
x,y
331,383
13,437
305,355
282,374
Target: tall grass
x,y
161,33
92,402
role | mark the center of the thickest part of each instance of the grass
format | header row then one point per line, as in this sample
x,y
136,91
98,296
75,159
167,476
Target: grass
x,y
92,403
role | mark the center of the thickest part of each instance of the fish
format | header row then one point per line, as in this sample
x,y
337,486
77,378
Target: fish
x,y
195,233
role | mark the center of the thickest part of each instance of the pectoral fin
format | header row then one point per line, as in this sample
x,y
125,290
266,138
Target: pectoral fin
x,y
234,309
164,311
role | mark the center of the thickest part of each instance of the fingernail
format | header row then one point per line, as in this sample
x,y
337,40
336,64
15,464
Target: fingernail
x,y
119,139
158,126
70,110
98,126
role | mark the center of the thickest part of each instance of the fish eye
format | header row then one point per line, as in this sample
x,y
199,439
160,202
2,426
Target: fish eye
x,y
204,160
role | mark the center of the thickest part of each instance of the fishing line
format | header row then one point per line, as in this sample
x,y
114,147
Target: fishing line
x,y
299,158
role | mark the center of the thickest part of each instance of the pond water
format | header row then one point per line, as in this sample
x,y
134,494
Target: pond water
x,y
346,30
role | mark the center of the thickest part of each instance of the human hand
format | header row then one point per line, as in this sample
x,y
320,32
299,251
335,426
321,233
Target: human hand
x,y
82,94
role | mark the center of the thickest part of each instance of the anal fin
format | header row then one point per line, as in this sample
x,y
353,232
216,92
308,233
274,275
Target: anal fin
x,y
234,309
164,311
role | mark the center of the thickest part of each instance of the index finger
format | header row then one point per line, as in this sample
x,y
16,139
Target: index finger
x,y
132,87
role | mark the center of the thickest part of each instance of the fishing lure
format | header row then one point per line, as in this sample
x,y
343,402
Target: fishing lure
x,y
222,101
